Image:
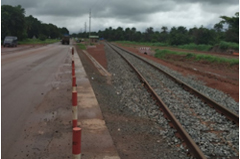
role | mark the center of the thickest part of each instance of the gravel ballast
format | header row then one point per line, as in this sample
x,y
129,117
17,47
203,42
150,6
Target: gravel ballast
x,y
135,123
212,144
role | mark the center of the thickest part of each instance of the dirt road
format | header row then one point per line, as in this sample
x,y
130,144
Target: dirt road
x,y
27,78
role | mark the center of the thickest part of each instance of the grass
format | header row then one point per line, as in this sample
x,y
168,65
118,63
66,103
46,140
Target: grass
x,y
228,45
192,46
163,53
142,43
201,47
82,46
37,41
197,57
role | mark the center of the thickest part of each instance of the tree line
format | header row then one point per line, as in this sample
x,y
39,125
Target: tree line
x,y
15,23
226,30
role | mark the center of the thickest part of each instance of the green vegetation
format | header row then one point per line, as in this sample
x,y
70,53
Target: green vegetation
x,y
160,44
228,45
211,58
163,53
192,46
198,57
15,23
38,41
82,46
142,43
197,38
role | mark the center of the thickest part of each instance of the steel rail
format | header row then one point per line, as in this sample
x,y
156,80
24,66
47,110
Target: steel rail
x,y
218,107
192,146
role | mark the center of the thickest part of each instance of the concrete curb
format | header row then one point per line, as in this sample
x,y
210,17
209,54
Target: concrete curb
x,y
96,141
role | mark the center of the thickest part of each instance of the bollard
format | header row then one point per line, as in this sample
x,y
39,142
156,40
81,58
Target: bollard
x,y
74,107
76,143
73,81
72,50
73,65
73,71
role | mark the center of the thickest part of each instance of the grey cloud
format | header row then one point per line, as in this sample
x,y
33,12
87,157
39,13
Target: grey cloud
x,y
124,13
211,2
132,10
24,3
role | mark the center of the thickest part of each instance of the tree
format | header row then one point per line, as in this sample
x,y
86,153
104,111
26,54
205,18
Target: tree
x,y
32,26
163,36
13,21
53,31
218,27
178,36
148,34
63,30
232,33
202,35
164,29
128,34
119,34
44,30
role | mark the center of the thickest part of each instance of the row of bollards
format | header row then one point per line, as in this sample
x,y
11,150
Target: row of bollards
x,y
76,138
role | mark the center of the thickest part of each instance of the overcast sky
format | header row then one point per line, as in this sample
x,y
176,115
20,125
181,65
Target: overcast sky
x,y
140,14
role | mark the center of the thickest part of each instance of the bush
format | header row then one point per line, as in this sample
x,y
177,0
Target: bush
x,y
192,46
160,44
42,37
228,45
189,55
163,53
82,46
211,58
142,43
197,57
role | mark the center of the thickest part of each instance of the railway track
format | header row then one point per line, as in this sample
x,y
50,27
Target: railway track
x,y
206,133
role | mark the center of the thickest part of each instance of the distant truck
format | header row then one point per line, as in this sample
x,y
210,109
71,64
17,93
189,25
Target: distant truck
x,y
65,39
10,41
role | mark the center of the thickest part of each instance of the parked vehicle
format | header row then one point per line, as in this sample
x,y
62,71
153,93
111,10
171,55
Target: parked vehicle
x,y
10,41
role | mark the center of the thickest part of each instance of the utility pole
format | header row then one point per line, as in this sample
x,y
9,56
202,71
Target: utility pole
x,y
85,25
89,24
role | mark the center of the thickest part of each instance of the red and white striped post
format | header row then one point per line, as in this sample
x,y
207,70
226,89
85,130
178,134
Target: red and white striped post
x,y
73,64
73,67
74,107
72,50
76,143
73,81
73,71
73,74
